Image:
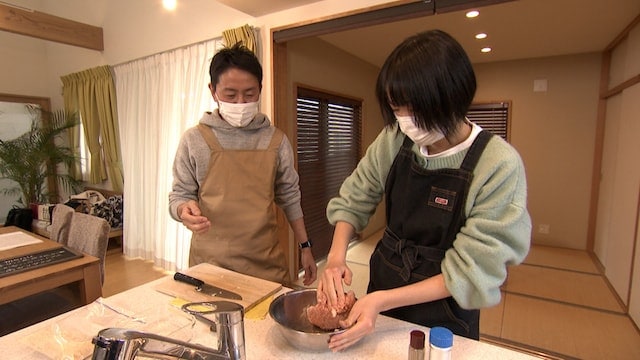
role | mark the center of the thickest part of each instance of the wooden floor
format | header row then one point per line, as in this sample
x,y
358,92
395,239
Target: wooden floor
x,y
122,273
555,305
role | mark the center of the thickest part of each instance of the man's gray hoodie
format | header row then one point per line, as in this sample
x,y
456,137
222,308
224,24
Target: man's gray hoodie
x,y
191,163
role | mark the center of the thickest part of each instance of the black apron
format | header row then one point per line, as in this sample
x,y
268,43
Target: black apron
x,y
425,211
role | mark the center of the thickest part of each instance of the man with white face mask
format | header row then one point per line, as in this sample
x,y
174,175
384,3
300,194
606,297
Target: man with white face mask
x,y
228,172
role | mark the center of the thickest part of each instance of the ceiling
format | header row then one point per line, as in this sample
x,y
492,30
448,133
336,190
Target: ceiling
x,y
262,7
518,29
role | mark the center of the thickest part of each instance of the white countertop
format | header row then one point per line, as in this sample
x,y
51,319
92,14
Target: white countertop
x,y
69,335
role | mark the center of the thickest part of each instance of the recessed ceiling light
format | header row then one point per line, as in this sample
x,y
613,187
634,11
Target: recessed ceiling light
x,y
169,4
485,49
473,13
481,36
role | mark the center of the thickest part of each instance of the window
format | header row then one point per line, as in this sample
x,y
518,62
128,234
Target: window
x,y
85,155
493,117
329,142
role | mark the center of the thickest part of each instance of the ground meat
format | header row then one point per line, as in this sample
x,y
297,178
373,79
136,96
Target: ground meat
x,y
324,317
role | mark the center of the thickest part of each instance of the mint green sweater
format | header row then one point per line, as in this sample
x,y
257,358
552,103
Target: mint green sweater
x,y
497,232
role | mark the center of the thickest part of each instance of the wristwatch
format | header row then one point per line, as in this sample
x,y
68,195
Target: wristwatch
x,y
306,244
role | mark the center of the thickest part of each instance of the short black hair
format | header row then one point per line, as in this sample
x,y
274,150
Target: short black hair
x,y
238,56
431,74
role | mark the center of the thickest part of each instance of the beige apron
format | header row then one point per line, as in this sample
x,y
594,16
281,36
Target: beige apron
x,y
237,196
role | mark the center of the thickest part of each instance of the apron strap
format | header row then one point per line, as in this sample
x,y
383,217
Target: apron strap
x,y
209,137
409,252
407,143
276,139
476,149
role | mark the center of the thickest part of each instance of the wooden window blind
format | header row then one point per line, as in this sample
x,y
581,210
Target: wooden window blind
x,y
329,143
493,117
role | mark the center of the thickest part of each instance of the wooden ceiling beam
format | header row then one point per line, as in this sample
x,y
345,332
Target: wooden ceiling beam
x,y
50,27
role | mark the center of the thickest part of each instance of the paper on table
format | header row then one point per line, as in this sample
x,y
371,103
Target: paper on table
x,y
70,336
16,239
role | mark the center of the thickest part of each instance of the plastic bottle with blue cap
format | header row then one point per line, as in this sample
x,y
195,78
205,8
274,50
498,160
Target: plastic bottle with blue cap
x,y
440,343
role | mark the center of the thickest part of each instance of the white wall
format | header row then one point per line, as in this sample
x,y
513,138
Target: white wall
x,y
134,29
24,66
554,132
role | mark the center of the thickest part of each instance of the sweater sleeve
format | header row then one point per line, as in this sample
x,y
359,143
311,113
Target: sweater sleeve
x,y
189,166
497,231
362,191
287,188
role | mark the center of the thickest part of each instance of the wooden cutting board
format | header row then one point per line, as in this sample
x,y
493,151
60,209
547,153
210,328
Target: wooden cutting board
x,y
253,290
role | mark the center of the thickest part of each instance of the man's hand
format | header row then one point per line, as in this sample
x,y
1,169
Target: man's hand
x,y
192,218
309,266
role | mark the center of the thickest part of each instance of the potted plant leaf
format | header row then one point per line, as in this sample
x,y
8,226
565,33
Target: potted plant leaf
x,y
32,160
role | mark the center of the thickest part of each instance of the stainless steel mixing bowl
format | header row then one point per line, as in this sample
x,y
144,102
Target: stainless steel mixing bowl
x,y
289,312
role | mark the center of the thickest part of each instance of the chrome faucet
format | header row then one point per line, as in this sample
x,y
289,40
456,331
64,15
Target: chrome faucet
x,y
228,322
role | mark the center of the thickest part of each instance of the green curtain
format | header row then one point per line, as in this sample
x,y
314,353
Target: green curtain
x,y
94,92
244,34
70,95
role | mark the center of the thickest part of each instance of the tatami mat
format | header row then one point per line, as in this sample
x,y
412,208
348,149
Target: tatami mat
x,y
557,303
570,330
560,258
560,285
491,319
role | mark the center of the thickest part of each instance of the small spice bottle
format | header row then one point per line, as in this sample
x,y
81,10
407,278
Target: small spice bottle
x,y
440,343
416,345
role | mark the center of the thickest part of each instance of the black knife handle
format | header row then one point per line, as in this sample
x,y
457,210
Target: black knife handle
x,y
187,279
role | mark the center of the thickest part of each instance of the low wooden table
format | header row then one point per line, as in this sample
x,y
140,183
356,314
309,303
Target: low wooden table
x,y
85,271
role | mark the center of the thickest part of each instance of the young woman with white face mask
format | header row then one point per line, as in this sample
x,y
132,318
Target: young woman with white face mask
x,y
228,172
455,200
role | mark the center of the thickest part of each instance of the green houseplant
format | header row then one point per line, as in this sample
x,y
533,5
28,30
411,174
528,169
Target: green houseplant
x,y
32,159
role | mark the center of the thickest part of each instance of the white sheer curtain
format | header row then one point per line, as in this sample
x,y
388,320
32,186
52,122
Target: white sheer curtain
x,y
159,97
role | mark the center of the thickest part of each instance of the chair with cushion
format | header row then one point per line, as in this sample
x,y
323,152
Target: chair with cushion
x,y
60,222
90,235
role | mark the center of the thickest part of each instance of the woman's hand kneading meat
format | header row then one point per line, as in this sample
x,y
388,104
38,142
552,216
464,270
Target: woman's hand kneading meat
x,y
327,317
360,322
